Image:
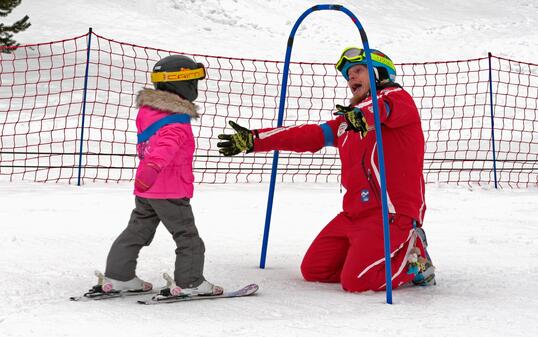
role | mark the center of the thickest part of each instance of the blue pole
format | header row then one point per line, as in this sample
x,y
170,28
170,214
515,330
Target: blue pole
x,y
283,91
84,93
492,123
380,154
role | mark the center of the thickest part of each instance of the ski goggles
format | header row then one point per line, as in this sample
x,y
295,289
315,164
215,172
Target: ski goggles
x,y
352,54
357,55
184,74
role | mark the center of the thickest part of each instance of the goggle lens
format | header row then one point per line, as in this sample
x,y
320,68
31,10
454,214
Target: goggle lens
x,y
351,54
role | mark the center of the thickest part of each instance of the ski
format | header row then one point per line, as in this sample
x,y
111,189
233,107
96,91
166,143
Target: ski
x,y
245,291
95,294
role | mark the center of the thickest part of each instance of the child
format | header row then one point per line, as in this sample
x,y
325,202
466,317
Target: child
x,y
164,183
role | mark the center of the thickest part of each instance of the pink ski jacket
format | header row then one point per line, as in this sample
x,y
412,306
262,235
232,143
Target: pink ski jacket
x,y
171,148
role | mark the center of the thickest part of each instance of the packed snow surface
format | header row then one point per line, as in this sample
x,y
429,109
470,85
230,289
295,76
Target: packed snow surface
x,y
483,241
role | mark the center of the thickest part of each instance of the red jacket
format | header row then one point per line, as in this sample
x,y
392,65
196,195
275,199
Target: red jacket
x,y
403,144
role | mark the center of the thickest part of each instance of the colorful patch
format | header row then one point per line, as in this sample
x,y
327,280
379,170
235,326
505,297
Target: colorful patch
x,y
342,128
365,195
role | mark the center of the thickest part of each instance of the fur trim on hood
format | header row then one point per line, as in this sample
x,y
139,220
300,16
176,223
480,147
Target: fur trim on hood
x,y
166,101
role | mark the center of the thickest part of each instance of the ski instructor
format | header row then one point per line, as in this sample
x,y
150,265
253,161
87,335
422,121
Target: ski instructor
x,y
350,249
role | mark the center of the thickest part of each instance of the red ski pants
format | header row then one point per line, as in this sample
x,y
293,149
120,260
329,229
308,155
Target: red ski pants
x,y
351,251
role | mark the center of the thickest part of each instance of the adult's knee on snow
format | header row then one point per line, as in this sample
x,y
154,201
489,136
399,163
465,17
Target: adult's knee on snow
x,y
352,283
307,270
307,273
317,274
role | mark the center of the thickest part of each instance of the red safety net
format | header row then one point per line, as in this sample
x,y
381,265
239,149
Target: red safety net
x,y
44,123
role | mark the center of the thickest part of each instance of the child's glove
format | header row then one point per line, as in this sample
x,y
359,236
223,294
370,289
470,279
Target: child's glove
x,y
146,175
242,140
354,118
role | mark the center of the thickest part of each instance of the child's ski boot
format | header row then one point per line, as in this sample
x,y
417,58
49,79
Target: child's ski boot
x,y
173,290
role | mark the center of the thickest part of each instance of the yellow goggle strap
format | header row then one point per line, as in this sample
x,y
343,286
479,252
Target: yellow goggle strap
x,y
182,75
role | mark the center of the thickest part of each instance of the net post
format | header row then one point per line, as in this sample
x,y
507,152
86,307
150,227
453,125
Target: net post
x,y
492,121
84,95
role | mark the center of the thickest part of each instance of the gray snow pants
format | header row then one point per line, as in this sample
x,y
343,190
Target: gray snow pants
x,y
177,217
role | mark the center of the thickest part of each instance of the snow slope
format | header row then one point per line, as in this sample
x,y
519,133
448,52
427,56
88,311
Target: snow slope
x,y
408,31
483,241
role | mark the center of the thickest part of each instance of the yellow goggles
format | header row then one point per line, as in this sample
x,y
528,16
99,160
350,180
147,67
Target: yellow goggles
x,y
351,54
357,55
182,75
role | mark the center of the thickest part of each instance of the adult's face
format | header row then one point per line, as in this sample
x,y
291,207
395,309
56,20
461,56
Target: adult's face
x,y
358,82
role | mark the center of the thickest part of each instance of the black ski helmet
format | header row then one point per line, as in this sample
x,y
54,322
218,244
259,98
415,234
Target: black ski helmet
x,y
178,74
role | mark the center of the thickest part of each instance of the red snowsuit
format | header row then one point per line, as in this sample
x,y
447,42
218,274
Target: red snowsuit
x,y
350,248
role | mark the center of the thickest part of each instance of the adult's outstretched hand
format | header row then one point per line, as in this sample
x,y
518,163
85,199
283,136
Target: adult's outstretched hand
x,y
242,140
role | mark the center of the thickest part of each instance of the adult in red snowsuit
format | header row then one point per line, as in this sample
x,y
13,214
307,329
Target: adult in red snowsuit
x,y
350,248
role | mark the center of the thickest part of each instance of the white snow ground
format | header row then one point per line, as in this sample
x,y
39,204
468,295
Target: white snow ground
x,y
483,241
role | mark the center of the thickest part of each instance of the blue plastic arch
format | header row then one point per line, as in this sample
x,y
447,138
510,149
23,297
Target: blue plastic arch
x,y
380,154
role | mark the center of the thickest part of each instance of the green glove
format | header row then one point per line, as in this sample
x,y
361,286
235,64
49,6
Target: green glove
x,y
242,140
354,118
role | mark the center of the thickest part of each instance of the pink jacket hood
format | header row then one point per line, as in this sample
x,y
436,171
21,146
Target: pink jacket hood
x,y
171,148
